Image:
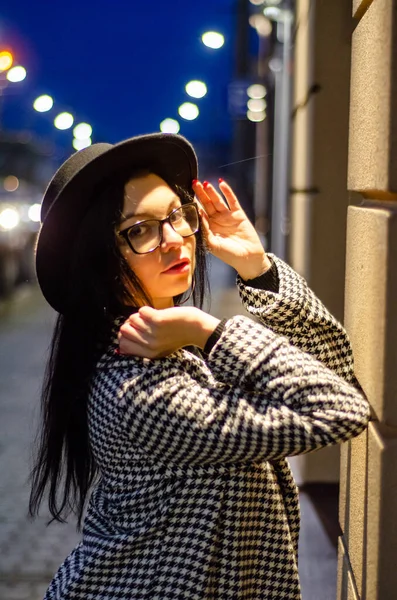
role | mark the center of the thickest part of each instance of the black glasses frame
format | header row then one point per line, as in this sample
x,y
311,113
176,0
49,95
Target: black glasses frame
x,y
125,232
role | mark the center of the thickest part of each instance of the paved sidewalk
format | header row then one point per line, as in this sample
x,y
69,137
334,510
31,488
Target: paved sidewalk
x,y
30,552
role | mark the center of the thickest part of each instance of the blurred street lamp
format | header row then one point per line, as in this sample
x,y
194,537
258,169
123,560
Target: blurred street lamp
x,y
256,104
63,121
188,111
34,213
82,131
255,116
256,91
16,74
43,103
9,218
276,64
278,14
11,183
6,60
196,89
262,25
213,39
80,144
169,126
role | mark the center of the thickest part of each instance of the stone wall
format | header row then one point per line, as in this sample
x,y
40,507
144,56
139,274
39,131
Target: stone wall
x,y
368,501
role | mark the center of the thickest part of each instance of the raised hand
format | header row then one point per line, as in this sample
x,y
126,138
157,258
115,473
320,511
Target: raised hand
x,y
229,233
152,333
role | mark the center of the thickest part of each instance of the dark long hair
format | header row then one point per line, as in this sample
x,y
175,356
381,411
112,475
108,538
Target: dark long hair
x,y
98,292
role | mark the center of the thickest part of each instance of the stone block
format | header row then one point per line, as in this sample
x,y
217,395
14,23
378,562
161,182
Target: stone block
x,y
368,513
346,589
370,302
373,104
381,528
352,501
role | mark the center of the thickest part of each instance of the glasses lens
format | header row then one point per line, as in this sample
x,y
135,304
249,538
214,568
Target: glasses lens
x,y
144,237
185,220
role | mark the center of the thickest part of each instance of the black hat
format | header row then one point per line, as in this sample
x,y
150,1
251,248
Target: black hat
x,y
72,191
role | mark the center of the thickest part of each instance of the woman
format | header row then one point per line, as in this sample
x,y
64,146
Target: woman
x,y
182,422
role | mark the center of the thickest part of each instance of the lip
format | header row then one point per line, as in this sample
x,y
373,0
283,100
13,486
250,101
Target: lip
x,y
178,266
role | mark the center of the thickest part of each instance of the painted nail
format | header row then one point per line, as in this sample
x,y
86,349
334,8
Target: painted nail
x,y
206,184
194,181
220,180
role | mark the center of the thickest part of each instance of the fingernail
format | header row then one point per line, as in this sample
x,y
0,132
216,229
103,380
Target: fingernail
x,y
206,184
194,181
220,180
117,351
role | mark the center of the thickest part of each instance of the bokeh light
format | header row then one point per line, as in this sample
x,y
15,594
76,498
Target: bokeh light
x,y
6,60
43,103
82,131
196,89
262,25
9,218
11,183
256,104
16,74
188,111
273,12
256,117
213,39
257,90
276,64
34,213
63,121
80,144
169,126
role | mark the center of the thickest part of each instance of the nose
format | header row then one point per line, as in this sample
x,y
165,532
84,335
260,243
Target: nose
x,y
171,238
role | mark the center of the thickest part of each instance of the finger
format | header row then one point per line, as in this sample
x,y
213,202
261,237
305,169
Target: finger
x,y
204,198
148,313
131,333
230,196
217,201
140,324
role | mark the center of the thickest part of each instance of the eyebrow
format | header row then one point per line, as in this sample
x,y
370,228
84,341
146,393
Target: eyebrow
x,y
131,214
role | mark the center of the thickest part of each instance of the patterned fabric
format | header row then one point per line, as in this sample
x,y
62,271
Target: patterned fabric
x,y
196,499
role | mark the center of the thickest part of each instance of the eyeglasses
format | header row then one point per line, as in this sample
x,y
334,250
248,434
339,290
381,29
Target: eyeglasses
x,y
146,236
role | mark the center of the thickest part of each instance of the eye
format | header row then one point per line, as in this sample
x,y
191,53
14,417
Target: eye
x,y
177,216
139,230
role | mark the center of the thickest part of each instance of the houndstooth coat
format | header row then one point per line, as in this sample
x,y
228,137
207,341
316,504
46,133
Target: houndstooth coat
x,y
196,500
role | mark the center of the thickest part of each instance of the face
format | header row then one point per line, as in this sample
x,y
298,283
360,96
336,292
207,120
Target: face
x,y
168,270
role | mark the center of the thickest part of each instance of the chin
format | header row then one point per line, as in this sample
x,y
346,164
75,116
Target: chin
x,y
175,290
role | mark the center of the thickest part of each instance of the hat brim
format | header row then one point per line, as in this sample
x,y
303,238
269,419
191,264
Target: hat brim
x,y
169,156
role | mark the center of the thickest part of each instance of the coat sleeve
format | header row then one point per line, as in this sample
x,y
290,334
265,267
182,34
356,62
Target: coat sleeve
x,y
259,398
296,312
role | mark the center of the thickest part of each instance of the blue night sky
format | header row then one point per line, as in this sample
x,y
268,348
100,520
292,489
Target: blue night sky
x,y
121,66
